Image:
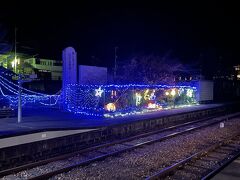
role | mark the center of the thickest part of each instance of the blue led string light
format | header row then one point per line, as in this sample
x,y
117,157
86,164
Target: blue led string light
x,y
33,92
105,100
83,99
28,96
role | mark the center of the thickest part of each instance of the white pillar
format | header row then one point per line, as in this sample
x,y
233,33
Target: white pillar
x,y
19,100
69,73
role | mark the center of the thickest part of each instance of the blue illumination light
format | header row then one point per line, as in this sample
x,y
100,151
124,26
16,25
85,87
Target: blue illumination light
x,y
127,100
104,100
28,97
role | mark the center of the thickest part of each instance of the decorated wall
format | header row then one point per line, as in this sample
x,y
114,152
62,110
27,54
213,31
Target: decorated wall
x,y
120,100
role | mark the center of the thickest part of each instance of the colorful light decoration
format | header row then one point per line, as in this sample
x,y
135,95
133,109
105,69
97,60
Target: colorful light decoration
x,y
146,96
113,94
180,91
153,106
189,92
110,107
81,99
138,99
173,92
152,96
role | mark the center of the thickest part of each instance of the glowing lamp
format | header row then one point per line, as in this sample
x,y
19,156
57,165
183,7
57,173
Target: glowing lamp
x,y
110,107
15,62
173,92
166,93
152,106
138,98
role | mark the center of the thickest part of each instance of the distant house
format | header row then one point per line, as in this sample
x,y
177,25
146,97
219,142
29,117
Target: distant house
x,y
237,71
46,68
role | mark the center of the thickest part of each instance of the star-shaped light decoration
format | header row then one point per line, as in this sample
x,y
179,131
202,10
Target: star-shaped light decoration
x,y
98,92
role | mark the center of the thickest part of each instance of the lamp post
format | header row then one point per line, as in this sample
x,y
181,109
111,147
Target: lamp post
x,y
14,64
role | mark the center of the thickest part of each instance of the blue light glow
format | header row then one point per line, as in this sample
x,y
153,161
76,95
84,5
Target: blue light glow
x,y
104,100
9,91
127,99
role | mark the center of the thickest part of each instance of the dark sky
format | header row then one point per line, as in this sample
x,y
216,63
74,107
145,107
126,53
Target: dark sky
x,y
189,30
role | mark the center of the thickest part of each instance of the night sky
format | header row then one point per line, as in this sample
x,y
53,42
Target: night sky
x,y
192,31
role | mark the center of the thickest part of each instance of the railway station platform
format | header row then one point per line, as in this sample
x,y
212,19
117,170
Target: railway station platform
x,y
45,133
231,172
36,120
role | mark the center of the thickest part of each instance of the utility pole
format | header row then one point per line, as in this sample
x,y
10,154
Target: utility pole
x,y
19,81
15,51
115,63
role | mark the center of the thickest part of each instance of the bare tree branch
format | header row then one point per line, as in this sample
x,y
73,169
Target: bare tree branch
x,y
151,70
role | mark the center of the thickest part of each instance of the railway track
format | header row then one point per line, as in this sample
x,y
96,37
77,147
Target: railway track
x,y
87,156
203,164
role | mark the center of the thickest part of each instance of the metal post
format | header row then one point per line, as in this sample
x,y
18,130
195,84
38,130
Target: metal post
x,y
19,99
15,51
19,81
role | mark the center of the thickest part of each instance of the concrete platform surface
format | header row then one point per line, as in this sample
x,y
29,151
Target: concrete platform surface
x,y
231,172
39,136
36,120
